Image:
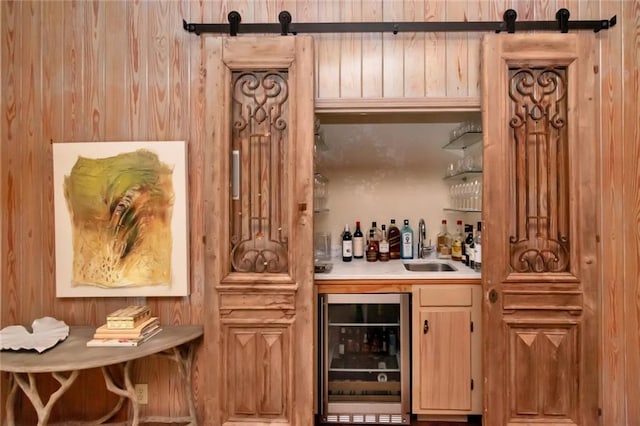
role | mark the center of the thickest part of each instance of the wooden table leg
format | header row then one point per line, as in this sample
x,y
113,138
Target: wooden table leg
x,y
128,391
31,391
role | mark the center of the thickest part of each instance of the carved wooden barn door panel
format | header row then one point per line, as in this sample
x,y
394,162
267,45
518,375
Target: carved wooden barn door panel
x,y
541,304
260,221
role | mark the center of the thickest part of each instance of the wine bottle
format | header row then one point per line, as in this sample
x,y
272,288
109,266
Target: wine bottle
x,y
406,235
477,255
358,242
394,240
468,230
347,245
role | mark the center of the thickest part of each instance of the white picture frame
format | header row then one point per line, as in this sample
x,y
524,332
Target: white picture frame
x,y
121,220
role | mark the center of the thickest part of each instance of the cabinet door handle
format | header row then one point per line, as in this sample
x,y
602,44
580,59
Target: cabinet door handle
x,y
425,328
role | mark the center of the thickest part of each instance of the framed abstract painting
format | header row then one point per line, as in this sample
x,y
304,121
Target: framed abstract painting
x,y
121,222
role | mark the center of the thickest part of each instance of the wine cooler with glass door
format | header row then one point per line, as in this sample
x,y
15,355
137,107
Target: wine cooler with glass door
x,y
364,358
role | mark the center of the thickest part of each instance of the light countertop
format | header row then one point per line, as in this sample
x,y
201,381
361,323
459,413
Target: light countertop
x,y
360,269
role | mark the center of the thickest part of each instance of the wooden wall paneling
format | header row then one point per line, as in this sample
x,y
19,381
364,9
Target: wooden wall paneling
x,y
371,52
477,11
11,56
457,68
136,48
30,139
266,11
393,52
351,71
414,59
51,130
117,66
435,51
631,191
328,53
158,47
611,254
94,69
73,76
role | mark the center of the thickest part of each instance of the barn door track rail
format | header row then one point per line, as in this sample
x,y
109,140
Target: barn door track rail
x,y
509,25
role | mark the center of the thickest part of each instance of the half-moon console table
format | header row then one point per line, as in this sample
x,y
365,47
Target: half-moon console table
x,y
65,361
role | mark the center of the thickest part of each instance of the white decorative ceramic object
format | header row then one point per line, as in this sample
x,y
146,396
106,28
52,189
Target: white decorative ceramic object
x,y
47,332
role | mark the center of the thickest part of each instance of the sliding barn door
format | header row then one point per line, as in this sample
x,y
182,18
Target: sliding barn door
x,y
259,221
541,304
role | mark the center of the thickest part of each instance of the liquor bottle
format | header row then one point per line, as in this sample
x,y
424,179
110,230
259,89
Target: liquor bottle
x,y
342,342
468,230
394,240
365,347
377,234
372,247
383,253
477,255
393,348
472,251
385,338
358,242
444,242
457,242
406,236
347,245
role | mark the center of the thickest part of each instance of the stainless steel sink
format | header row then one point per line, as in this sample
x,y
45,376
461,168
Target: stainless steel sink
x,y
430,267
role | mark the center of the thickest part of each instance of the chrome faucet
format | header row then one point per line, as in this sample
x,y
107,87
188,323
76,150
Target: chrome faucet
x,y
422,236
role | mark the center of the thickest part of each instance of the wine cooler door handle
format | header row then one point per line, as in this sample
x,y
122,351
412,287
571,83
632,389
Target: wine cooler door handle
x,y
425,327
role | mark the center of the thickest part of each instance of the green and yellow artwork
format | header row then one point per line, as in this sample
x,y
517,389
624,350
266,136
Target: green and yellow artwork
x,y
120,209
120,219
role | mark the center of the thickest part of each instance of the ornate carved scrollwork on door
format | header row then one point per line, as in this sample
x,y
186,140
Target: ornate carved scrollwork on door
x,y
259,188
539,240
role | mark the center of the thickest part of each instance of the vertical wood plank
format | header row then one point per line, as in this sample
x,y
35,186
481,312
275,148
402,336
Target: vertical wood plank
x,y
328,53
94,70
478,11
457,67
612,214
631,208
265,11
372,51
392,52
73,76
11,164
52,130
435,51
414,50
137,69
158,47
30,207
116,73
351,71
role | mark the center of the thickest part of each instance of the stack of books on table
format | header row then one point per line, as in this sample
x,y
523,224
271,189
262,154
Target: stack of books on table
x,y
129,326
